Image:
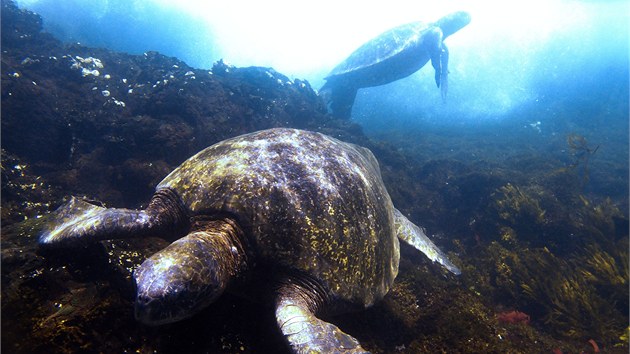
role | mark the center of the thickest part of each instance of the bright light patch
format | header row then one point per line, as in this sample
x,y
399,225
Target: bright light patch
x,y
302,38
497,62
307,39
163,264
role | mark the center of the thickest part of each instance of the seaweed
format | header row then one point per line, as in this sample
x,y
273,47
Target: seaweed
x,y
569,302
581,152
518,207
567,268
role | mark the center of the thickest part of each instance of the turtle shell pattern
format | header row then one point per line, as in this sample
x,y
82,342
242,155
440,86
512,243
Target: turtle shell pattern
x,y
383,47
305,201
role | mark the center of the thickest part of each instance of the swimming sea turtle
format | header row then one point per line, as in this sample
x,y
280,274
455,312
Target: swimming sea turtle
x,y
393,55
306,210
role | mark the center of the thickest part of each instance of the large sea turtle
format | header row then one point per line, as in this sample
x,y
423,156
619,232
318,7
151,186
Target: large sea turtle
x,y
305,210
393,55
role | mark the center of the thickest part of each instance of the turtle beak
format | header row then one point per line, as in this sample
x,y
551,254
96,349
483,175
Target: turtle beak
x,y
144,312
160,299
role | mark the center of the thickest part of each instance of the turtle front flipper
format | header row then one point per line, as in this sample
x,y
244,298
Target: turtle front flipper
x,y
441,78
416,237
439,61
79,221
297,302
447,25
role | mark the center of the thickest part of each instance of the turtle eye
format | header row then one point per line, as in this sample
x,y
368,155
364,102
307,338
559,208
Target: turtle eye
x,y
143,311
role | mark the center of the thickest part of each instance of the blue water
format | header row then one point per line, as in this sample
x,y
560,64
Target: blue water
x,y
508,56
522,76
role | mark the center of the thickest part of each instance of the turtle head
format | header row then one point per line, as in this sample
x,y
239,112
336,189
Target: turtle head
x,y
453,22
186,276
176,282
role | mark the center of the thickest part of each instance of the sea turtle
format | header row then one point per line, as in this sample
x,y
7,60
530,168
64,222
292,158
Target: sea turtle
x,y
305,210
393,55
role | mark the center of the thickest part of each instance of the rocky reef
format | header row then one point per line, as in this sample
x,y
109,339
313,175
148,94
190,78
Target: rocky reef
x,y
107,126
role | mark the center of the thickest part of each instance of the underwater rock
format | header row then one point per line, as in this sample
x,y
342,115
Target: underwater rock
x,y
58,114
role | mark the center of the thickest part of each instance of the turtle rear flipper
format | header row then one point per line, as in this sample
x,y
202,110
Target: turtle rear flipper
x,y
297,302
416,237
339,96
79,221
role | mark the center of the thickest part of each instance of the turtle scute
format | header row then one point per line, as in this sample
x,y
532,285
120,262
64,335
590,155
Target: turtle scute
x,y
306,201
